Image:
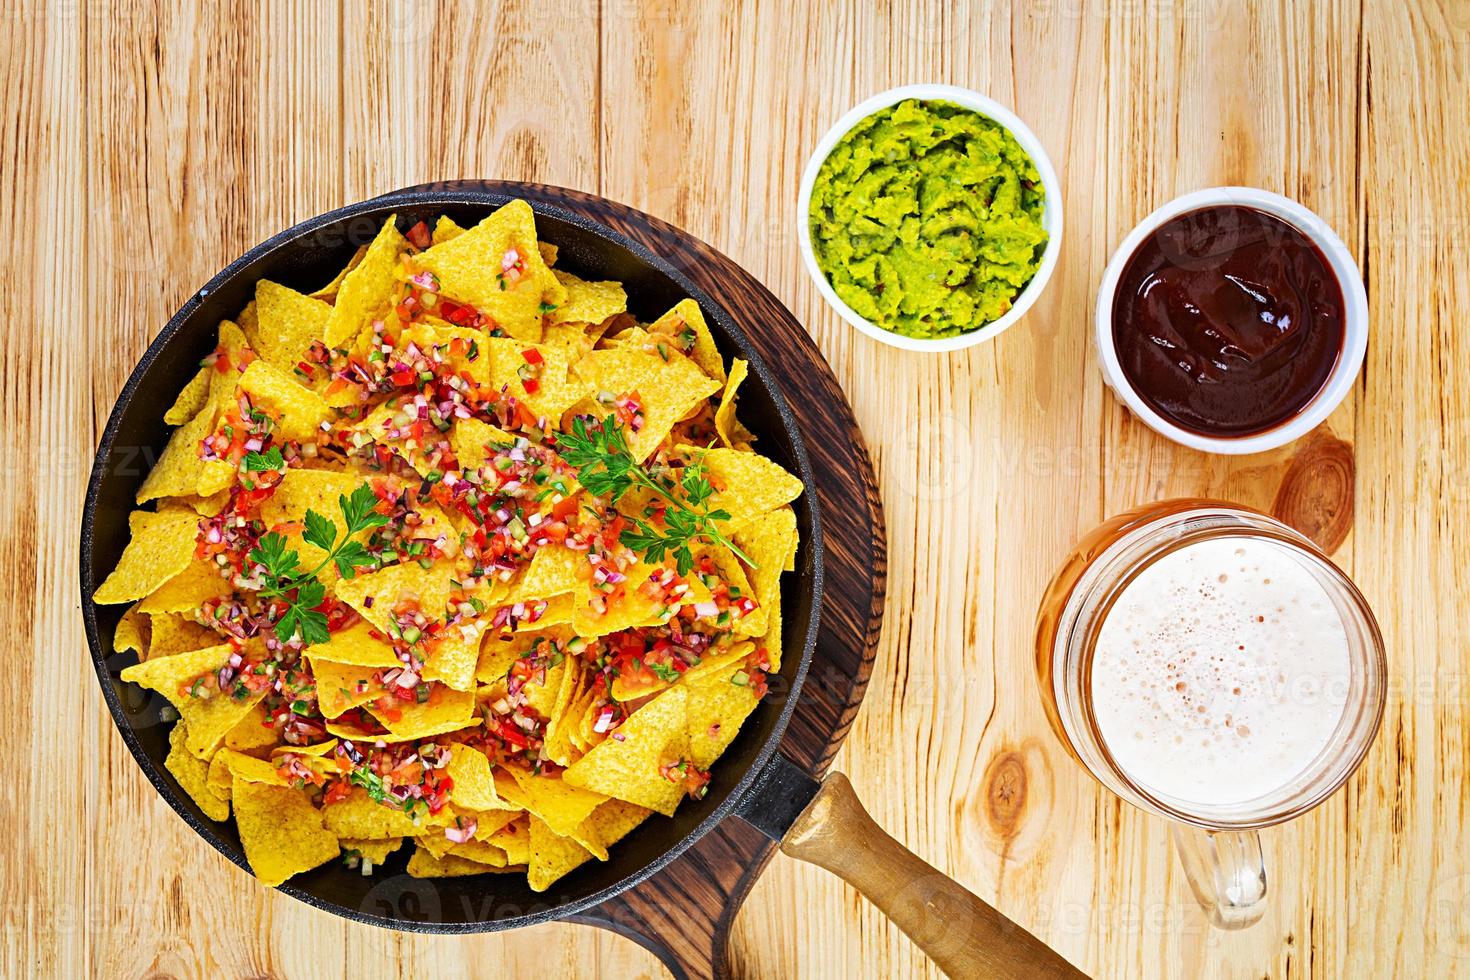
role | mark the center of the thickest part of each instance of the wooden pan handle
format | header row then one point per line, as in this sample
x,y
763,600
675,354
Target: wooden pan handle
x,y
964,936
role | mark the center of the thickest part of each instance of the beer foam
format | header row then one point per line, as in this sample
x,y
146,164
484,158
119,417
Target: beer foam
x,y
1221,672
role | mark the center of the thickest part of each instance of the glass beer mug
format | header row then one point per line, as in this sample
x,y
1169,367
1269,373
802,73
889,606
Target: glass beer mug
x,y
1210,665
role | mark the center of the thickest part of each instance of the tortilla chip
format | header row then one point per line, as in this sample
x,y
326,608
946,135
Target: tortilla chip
x,y
731,432
469,438
281,831
562,806
552,855
298,411
452,656
366,290
209,506
668,389
588,302
355,646
557,390
374,851
718,705
704,353
192,773
287,323
388,587
468,267
445,229
342,687
423,864
208,718
252,732
614,820
161,546
172,633
627,768
570,338
358,816
179,469
199,582
474,783
328,293
133,633
248,767
515,840
447,710
301,490
481,851
769,540
191,400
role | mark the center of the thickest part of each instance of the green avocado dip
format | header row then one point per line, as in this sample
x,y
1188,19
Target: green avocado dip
x,y
926,219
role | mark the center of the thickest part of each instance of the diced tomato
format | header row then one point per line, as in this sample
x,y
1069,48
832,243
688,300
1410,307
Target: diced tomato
x,y
532,356
420,236
404,378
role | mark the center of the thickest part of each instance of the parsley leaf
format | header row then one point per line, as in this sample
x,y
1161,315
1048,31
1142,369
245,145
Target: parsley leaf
x,y
271,459
303,591
606,468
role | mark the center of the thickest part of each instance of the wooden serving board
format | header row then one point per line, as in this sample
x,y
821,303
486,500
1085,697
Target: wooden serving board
x,y
683,914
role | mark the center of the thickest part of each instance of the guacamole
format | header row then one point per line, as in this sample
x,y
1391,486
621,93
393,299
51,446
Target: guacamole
x,y
926,219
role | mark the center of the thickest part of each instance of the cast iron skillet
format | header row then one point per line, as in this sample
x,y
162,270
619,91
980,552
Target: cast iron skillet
x,y
751,779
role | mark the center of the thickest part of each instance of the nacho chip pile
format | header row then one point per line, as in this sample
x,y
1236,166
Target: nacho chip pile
x,y
454,551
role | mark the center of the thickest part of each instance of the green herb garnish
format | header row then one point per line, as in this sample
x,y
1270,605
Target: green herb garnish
x,y
283,568
606,468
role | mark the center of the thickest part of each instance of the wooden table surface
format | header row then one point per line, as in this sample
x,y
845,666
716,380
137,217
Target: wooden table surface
x,y
142,146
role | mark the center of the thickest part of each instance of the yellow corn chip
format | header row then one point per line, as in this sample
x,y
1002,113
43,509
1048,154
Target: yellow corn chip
x,y
207,506
179,470
627,768
133,633
481,851
553,855
329,292
769,540
185,592
474,784
388,587
570,338
668,389
718,705
252,733
614,820
299,412
452,656
549,252
515,840
191,400
746,484
208,718
502,360
355,646
248,768
287,322
366,291
732,571
588,302
731,432
424,864
161,546
471,268
562,806
445,229
686,314
447,710
469,439
342,687
172,633
192,773
281,831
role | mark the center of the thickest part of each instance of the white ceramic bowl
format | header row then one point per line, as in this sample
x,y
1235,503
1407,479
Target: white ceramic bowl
x,y
1355,321
1051,218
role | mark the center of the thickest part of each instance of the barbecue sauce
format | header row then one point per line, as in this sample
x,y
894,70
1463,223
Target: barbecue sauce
x,y
1228,321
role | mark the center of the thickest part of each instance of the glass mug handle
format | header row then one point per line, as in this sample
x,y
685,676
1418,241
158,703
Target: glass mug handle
x,y
1226,872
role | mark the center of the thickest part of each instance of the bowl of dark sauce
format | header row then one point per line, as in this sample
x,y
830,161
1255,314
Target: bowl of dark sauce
x,y
1232,320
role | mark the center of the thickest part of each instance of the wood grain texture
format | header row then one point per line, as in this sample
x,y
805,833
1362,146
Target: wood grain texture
x,y
152,142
